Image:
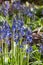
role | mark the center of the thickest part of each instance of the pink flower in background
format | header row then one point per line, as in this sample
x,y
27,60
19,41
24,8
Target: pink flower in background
x,y
0,1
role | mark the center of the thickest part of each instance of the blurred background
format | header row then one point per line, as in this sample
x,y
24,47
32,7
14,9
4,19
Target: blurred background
x,y
37,2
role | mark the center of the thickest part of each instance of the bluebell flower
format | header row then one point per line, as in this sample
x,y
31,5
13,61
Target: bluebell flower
x,y
22,33
6,25
29,50
31,27
7,4
17,2
16,41
6,29
4,35
27,11
18,29
5,12
13,28
21,46
0,30
16,36
1,37
28,32
29,38
41,47
5,7
9,34
0,49
7,41
14,21
16,5
30,14
42,11
0,9
20,22
24,42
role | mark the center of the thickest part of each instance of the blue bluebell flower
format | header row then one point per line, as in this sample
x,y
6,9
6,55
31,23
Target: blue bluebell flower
x,y
5,12
7,41
0,49
24,42
9,34
16,5
26,10
17,41
0,30
30,14
13,28
0,9
21,46
1,37
6,30
16,36
6,25
22,33
14,21
28,32
5,7
17,24
7,4
29,50
4,35
20,23
29,38
41,47
19,31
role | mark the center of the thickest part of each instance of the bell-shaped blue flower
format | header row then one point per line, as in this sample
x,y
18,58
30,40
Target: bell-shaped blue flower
x,y
29,50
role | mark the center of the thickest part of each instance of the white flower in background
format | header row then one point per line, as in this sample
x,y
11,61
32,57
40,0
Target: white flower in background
x,y
24,56
12,1
27,4
6,59
15,44
25,46
32,9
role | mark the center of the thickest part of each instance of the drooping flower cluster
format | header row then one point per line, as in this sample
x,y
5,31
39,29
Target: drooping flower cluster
x,y
5,32
15,6
5,8
20,31
17,32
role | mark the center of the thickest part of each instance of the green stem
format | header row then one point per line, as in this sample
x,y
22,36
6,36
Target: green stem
x,y
20,53
2,52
